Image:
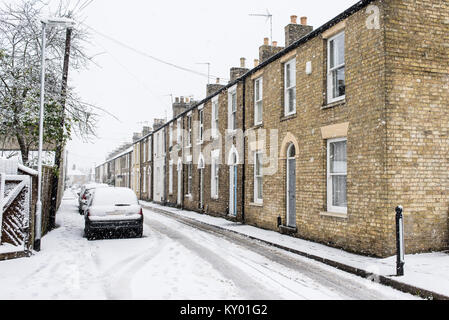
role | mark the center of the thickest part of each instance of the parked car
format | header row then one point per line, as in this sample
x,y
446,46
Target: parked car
x,y
85,193
113,209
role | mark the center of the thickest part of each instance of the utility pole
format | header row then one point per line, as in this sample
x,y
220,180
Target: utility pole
x,y
60,144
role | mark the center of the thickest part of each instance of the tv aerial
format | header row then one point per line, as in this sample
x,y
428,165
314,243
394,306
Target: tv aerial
x,y
269,16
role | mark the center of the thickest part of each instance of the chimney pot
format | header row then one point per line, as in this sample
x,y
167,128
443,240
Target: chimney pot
x,y
177,99
293,19
275,43
182,99
266,41
242,62
304,21
218,81
256,62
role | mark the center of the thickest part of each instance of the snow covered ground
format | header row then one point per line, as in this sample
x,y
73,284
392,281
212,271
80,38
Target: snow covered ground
x,y
172,261
428,271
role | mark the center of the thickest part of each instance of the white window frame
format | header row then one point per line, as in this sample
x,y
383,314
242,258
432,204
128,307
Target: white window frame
x,y
330,207
170,177
200,126
292,64
189,130
215,176
258,100
189,178
144,188
330,87
178,131
257,177
215,118
170,135
232,109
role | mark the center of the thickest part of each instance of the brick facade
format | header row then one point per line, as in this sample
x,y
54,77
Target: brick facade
x,y
394,117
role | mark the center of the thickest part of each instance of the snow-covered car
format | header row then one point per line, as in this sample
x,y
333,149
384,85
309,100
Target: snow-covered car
x,y
113,209
85,193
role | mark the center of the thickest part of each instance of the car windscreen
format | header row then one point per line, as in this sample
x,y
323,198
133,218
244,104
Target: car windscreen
x,y
114,197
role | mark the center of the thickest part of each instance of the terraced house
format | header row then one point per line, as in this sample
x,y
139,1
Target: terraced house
x,y
326,135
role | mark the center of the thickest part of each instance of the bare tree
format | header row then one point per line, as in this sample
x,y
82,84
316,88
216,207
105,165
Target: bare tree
x,y
20,54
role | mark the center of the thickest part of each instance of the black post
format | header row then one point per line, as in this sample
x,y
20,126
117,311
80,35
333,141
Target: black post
x,y
400,262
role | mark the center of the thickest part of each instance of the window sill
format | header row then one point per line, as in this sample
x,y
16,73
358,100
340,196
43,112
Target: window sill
x,y
334,215
289,117
256,204
334,104
257,126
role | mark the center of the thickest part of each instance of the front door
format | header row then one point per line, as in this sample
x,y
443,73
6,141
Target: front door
x,y
291,188
179,184
233,190
201,188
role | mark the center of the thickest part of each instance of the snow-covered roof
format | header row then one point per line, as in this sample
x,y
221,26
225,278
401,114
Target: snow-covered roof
x,y
130,149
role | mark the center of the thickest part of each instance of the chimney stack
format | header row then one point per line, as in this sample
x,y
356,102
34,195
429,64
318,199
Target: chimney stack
x,y
158,123
146,130
238,72
266,51
212,88
294,31
242,62
136,136
181,105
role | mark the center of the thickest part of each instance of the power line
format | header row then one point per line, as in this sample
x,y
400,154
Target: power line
x,y
153,57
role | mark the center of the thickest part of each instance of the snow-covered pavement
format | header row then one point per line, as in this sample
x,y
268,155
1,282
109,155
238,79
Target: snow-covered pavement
x,y
173,261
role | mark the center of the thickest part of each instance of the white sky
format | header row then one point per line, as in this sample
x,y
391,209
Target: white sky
x,y
135,88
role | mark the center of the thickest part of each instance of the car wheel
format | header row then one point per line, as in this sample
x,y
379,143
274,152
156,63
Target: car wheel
x,y
88,234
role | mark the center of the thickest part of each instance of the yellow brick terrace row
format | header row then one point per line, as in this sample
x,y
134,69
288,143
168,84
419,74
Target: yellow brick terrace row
x,y
322,139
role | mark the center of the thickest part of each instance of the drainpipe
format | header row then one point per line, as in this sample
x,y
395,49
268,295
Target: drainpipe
x,y
244,149
182,163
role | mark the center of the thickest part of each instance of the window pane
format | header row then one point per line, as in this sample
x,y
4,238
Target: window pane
x,y
257,89
259,188
338,157
338,82
259,111
331,54
292,74
339,191
287,75
257,165
340,49
291,96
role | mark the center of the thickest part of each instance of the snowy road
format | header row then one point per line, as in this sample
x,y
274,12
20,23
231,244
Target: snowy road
x,y
174,260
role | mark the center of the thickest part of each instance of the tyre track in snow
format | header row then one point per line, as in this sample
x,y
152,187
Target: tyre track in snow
x,y
346,285
116,280
241,281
